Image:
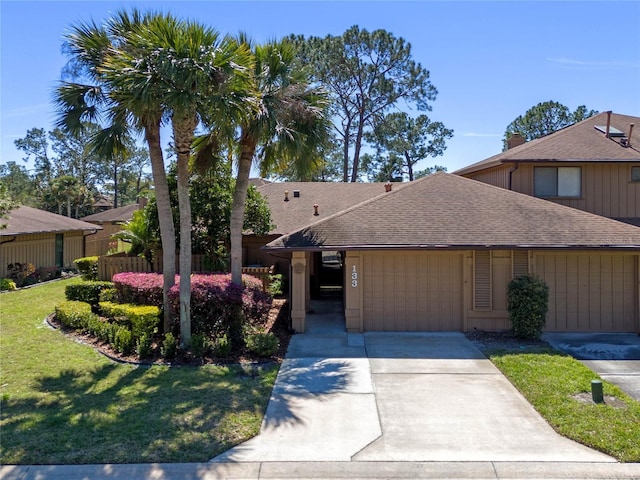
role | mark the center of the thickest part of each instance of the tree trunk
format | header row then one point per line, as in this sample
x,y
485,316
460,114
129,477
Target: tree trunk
x,y
248,149
115,187
183,128
165,217
356,152
409,165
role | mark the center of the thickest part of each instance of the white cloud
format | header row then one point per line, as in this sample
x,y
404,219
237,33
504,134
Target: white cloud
x,y
571,62
26,111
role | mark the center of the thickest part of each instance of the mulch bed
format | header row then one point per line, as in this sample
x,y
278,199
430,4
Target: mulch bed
x,y
504,340
277,322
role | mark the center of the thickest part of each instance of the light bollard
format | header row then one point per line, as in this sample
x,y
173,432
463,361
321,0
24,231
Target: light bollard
x,y
596,391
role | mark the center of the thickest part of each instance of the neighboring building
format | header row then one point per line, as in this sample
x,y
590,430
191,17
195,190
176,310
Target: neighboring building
x,y
293,206
111,222
438,253
593,165
42,238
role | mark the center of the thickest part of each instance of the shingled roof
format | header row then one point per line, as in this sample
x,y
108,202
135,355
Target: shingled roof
x,y
580,142
120,214
24,220
448,211
331,198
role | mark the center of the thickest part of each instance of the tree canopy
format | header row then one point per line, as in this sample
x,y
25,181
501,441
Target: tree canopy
x,y
367,75
543,119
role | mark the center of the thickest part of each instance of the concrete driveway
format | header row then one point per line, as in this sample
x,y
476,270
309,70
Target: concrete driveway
x,y
613,356
399,397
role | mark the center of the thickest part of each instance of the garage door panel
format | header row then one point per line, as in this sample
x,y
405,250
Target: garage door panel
x,y
422,292
590,292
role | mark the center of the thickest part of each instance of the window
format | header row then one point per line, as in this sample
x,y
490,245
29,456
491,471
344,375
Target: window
x,y
59,250
635,174
557,181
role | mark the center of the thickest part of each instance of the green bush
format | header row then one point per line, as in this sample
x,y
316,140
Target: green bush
x,y
88,292
199,345
221,346
108,295
122,340
88,267
527,302
7,284
276,285
144,346
142,319
264,344
74,314
169,347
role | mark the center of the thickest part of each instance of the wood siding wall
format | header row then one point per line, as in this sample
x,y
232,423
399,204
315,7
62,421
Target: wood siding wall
x,y
98,243
40,250
498,176
607,189
587,291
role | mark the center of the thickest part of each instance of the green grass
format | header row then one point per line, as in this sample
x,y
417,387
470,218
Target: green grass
x,y
552,382
63,403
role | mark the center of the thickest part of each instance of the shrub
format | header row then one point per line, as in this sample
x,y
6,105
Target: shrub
x,y
221,346
199,345
122,340
109,295
7,284
21,273
264,344
139,288
276,285
74,314
88,267
142,319
169,347
527,300
144,346
88,292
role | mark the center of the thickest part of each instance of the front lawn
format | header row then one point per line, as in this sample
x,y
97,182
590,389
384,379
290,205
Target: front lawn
x,y
63,403
559,388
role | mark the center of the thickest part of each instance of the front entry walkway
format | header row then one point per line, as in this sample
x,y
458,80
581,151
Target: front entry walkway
x,y
417,397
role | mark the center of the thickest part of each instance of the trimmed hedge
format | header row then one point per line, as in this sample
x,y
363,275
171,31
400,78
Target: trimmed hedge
x,y
88,292
75,314
141,319
264,344
527,303
88,267
139,288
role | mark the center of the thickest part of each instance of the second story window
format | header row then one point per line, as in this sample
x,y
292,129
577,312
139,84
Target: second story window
x,y
557,182
635,173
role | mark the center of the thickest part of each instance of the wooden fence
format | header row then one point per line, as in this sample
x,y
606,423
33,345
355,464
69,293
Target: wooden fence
x,y
109,265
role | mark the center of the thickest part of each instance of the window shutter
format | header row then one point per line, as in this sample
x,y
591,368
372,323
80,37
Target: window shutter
x,y
520,263
482,280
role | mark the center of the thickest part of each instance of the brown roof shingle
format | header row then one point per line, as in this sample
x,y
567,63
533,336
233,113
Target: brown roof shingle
x,y
449,211
331,198
580,142
120,214
23,220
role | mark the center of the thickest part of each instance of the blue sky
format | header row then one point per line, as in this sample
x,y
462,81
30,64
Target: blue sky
x,y
490,61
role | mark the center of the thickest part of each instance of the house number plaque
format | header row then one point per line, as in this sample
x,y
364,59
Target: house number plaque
x,y
354,277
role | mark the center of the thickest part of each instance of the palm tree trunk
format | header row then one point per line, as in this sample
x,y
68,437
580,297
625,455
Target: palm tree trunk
x,y
165,217
183,128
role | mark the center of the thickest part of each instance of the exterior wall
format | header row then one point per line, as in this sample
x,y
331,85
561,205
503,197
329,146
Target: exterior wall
x,y
39,249
253,255
590,291
498,176
607,188
98,243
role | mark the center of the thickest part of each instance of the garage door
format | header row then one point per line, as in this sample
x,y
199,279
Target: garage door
x,y
589,292
412,291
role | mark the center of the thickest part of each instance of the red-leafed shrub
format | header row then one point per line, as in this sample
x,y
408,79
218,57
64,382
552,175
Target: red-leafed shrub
x,y
214,299
139,288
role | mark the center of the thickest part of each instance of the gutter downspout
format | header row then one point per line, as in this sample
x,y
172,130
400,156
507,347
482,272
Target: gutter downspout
x,y
84,241
511,172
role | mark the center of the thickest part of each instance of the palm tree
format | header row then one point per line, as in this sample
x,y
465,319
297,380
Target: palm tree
x,y
288,127
199,74
90,47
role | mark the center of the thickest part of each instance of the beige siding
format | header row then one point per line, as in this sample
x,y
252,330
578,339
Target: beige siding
x,y
498,176
412,291
590,291
39,249
606,189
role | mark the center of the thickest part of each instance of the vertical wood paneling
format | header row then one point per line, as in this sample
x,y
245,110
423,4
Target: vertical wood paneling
x,y
590,291
498,176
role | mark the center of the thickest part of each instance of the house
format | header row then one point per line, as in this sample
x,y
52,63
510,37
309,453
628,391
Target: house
x,y
42,238
295,205
437,254
111,222
593,165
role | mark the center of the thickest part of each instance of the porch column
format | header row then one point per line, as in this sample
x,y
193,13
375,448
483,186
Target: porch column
x,y
353,292
299,282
